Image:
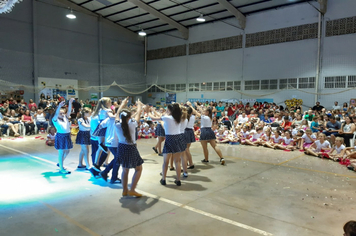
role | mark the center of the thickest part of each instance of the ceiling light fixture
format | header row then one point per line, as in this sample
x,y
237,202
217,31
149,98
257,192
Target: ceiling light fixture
x,y
142,33
201,18
71,15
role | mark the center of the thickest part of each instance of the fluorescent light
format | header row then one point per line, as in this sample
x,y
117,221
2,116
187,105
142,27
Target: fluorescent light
x,y
142,33
71,15
201,18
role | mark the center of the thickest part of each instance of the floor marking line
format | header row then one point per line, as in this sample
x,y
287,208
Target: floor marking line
x,y
216,217
26,154
283,162
71,220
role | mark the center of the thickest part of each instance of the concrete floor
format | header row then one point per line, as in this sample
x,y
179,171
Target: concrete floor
x,y
259,192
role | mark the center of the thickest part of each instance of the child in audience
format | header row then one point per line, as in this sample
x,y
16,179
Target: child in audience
x,y
339,148
266,136
307,139
304,125
319,147
245,134
51,136
288,142
255,139
221,136
274,140
146,132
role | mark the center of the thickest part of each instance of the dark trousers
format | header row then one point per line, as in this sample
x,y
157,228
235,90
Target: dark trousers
x,y
114,165
29,127
4,129
347,138
94,148
40,124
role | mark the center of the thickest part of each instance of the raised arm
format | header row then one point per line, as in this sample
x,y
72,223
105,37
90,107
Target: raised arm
x,y
139,109
60,105
156,115
194,111
122,105
70,103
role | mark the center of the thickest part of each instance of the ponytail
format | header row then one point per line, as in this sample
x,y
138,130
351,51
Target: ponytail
x,y
125,115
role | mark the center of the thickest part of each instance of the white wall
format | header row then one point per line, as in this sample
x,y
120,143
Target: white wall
x,y
276,61
67,49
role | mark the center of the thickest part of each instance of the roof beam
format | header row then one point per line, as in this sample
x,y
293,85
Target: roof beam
x,y
323,6
184,31
232,9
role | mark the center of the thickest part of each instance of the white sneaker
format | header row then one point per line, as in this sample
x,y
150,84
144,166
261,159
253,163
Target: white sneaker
x,y
5,136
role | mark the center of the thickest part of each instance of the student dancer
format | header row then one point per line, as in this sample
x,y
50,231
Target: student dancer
x,y
173,144
160,134
207,134
112,142
83,138
63,142
128,154
182,127
189,136
103,111
94,122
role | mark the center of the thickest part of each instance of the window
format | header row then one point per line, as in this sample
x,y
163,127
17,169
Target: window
x,y
237,85
222,86
230,85
335,82
194,87
209,86
158,90
252,85
216,86
180,87
351,83
269,84
288,83
307,82
171,87
203,86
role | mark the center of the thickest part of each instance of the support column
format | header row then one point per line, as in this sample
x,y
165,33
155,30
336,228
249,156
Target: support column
x,y
34,51
100,52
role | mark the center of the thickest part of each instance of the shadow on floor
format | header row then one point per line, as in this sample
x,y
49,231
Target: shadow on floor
x,y
185,186
150,161
137,205
50,174
101,182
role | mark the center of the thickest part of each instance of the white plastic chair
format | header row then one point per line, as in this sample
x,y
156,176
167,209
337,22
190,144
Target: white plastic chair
x,y
352,141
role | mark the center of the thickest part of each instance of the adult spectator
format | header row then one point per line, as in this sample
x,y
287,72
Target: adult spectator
x,y
332,127
3,126
50,115
231,110
76,106
240,106
31,104
345,107
219,109
42,104
317,107
41,121
347,131
87,104
242,119
336,106
309,116
28,122
23,104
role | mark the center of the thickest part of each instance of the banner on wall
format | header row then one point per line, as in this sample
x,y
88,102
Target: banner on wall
x,y
94,96
192,100
170,98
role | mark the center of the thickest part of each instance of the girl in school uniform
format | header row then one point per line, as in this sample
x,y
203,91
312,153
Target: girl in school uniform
x,y
128,154
103,111
173,145
255,138
159,132
339,148
207,134
63,142
182,127
83,138
266,136
189,136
